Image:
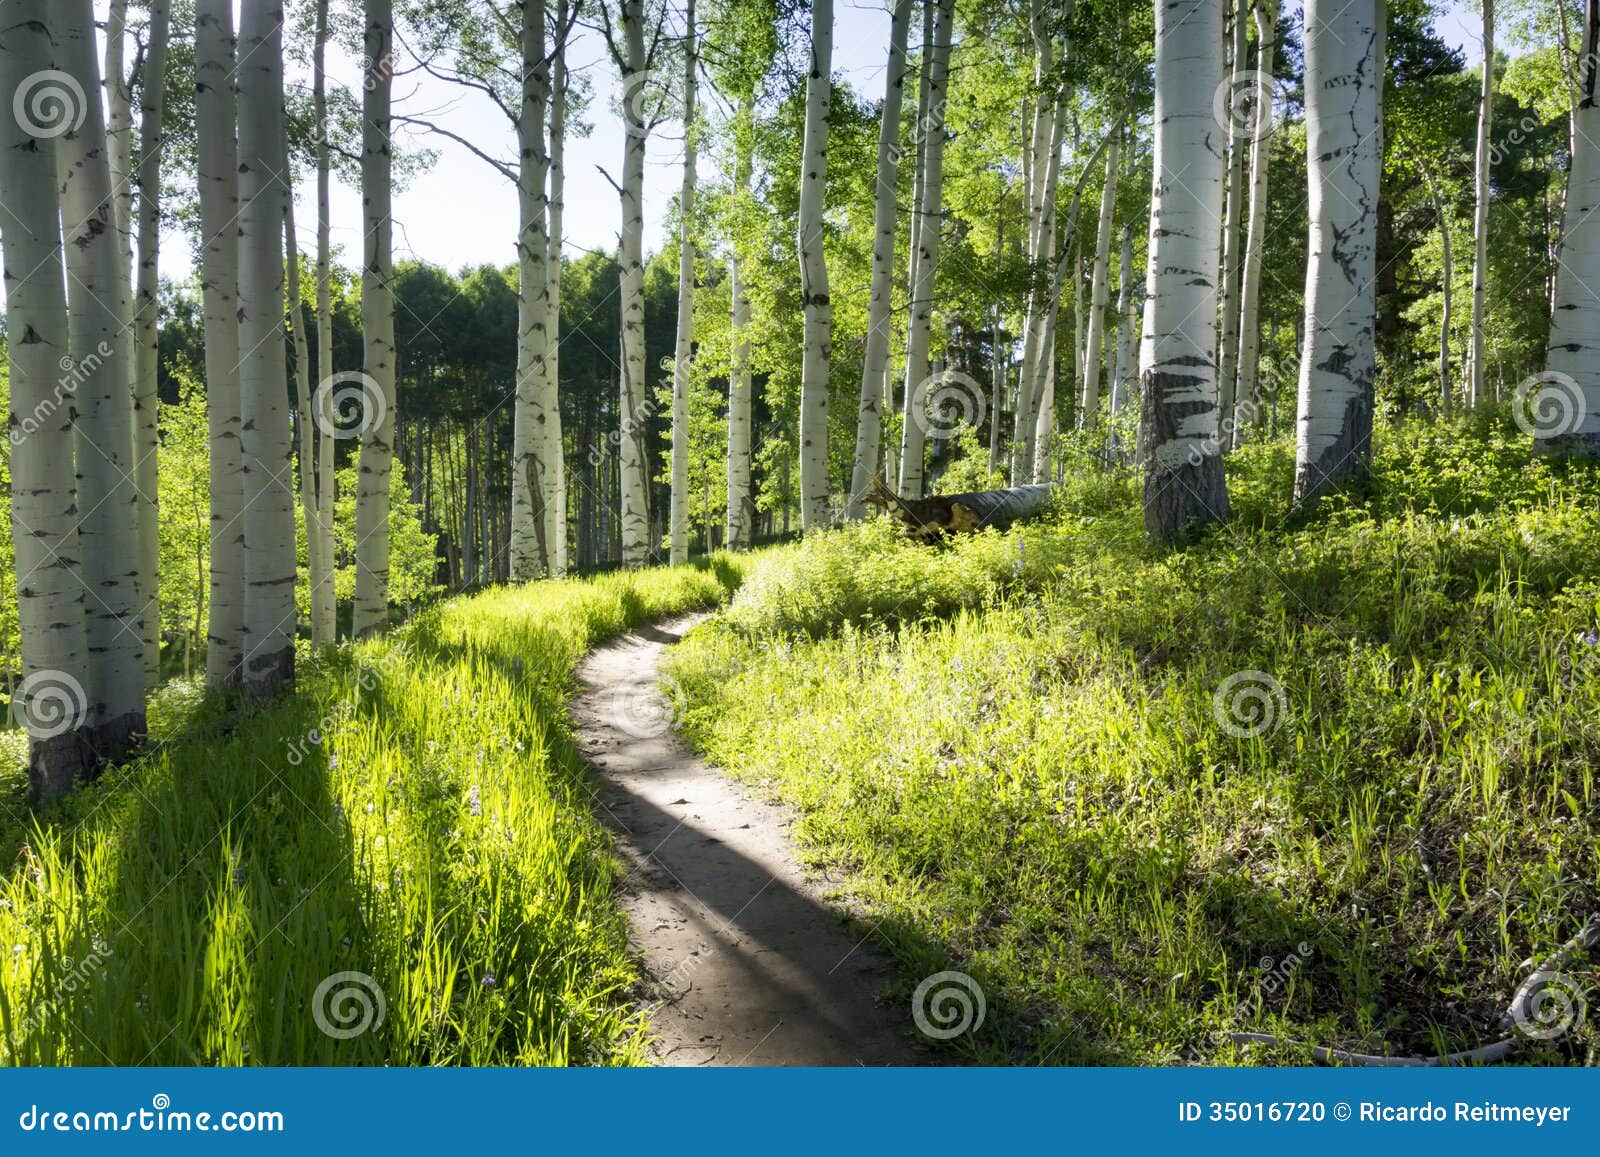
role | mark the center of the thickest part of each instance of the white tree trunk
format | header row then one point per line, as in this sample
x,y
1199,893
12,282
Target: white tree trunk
x,y
875,362
269,562
558,128
305,426
324,609
1247,394
1183,485
1043,151
1574,350
1099,293
633,416
814,299
370,612
52,699
1480,210
1232,235
1127,368
146,400
741,506
1040,435
919,135
119,127
930,214
219,287
678,527
1338,364
532,480
100,350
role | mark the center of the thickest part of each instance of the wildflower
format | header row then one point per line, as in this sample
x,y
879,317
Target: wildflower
x,y
474,804
488,980
1591,639
238,877
333,763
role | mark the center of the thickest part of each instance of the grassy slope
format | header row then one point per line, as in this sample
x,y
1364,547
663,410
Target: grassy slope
x,y
1013,745
185,909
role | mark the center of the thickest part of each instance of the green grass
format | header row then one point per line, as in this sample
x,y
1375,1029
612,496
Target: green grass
x,y
436,837
1011,748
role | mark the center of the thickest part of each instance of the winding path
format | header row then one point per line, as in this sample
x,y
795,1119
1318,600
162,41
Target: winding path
x,y
749,965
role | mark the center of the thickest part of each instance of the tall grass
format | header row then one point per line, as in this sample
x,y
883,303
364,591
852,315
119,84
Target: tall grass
x,y
414,813
1016,750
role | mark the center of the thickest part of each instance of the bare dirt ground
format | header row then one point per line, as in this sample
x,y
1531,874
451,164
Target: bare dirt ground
x,y
749,964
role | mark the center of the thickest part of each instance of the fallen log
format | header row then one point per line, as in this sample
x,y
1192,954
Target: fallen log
x,y
929,519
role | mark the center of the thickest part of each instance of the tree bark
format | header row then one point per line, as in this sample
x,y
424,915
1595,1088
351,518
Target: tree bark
x,y
146,400
634,414
558,130
919,334
324,610
219,289
269,560
1183,487
1127,336
678,551
1480,210
316,564
532,479
1228,351
52,700
1099,293
370,612
815,302
101,356
1338,365
1574,349
1247,393
741,505
875,360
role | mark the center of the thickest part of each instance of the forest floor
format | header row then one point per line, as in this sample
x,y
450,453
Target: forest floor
x,y
1329,777
746,962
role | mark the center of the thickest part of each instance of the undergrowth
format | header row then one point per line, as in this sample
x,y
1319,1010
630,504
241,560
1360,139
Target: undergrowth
x,y
404,845
1330,777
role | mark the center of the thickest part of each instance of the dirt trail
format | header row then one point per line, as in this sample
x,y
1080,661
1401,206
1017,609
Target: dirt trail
x,y
751,966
